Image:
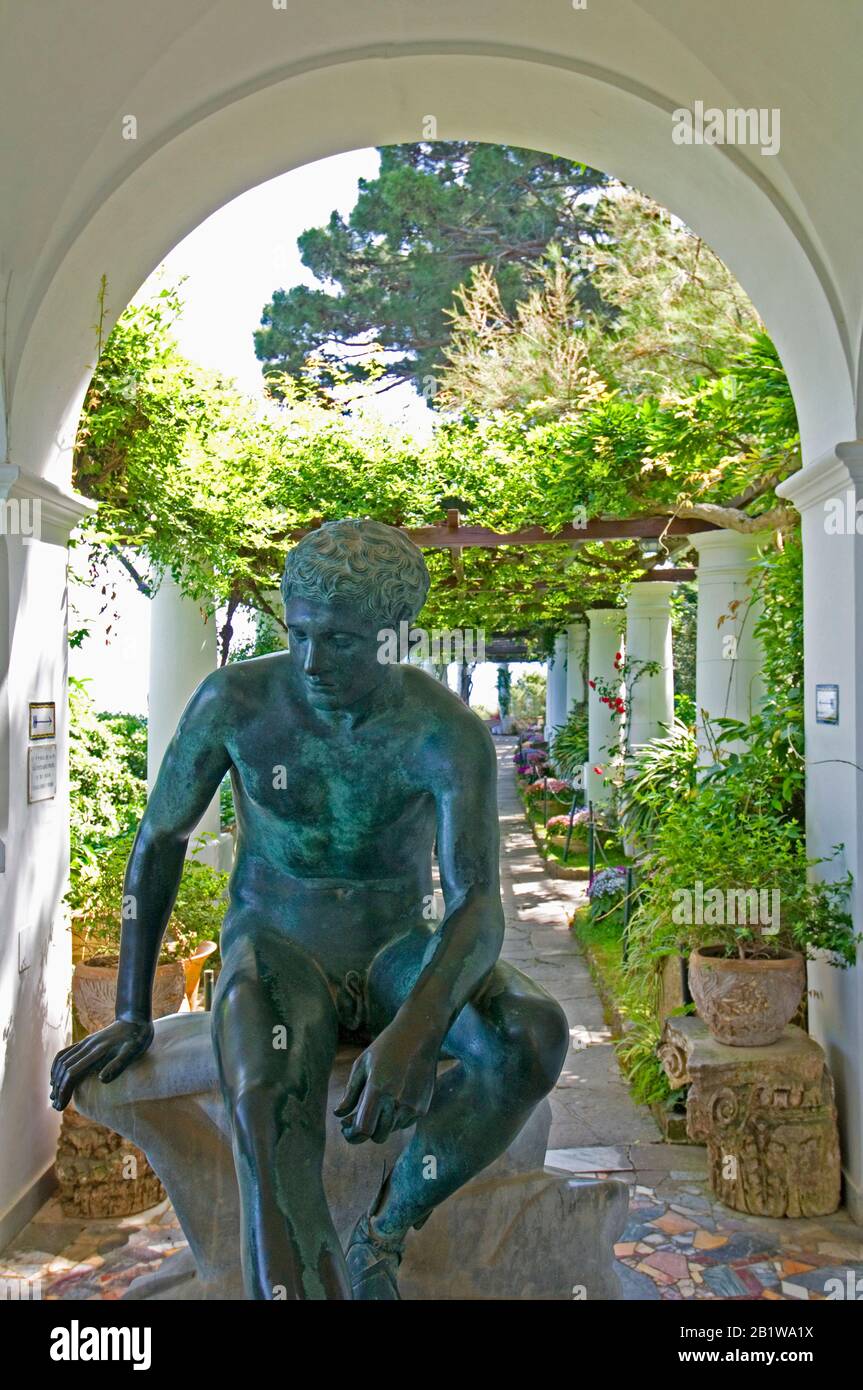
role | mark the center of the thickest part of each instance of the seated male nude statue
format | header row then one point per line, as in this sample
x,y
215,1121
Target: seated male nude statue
x,y
346,771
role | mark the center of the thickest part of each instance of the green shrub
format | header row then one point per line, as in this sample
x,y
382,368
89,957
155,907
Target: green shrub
x,y
661,774
568,747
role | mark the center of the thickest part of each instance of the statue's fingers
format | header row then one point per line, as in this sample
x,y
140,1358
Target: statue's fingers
x,y
62,1059
72,1068
125,1055
353,1090
386,1116
405,1117
368,1113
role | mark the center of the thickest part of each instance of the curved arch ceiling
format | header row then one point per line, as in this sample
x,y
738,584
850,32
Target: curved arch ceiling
x,y
226,96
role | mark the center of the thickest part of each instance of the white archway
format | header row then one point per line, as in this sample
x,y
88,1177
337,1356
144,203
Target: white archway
x,y
362,98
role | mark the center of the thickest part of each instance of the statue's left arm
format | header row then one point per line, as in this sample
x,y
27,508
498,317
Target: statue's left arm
x,y
468,941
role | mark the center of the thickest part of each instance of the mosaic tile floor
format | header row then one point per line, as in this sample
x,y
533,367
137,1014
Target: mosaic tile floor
x,y
680,1245
691,1247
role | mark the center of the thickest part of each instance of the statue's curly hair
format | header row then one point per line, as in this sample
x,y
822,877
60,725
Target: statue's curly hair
x,y
362,563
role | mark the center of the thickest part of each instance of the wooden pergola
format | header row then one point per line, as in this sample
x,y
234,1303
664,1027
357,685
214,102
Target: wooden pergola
x,y
456,537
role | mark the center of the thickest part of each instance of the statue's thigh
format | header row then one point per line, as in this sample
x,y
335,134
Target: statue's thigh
x,y
274,1021
509,1024
512,1025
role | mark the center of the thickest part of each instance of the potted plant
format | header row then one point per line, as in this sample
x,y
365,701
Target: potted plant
x,y
98,905
732,889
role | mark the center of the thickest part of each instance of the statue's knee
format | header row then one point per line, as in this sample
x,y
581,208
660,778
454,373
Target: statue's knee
x,y
266,1113
538,1039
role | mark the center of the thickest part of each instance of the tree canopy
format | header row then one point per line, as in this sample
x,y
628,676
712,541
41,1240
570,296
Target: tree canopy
x,y
675,405
388,272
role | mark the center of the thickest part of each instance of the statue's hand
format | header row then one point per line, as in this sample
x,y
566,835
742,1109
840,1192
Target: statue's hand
x,y
109,1052
390,1085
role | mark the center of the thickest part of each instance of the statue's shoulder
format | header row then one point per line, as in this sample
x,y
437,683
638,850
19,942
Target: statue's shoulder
x,y
457,726
244,682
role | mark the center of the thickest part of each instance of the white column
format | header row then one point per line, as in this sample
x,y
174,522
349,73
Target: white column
x,y
728,680
555,689
648,638
829,496
182,653
605,640
576,641
35,954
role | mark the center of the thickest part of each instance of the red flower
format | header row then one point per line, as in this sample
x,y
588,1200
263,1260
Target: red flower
x,y
618,655
598,771
592,684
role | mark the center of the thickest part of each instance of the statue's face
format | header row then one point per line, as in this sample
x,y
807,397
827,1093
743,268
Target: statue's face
x,y
334,652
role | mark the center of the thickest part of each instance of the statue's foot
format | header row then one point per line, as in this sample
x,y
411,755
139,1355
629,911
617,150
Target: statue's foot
x,y
373,1264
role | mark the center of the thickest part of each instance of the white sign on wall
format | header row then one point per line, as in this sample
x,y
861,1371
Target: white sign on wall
x,y
42,773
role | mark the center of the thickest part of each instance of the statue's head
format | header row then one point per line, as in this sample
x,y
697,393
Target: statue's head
x,y
342,584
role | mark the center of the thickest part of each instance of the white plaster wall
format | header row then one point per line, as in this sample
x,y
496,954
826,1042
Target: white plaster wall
x,y
34,1000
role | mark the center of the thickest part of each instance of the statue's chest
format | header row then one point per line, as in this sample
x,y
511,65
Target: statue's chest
x,y
356,785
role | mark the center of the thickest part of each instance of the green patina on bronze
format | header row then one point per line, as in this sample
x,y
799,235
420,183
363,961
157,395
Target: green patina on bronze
x,y
347,771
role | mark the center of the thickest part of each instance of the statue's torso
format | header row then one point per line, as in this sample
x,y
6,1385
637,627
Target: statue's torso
x,y
335,825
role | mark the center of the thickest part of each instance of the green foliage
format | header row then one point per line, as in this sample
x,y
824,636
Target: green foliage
x,y
108,793
191,474
97,918
711,839
637,1054
761,764
528,696
659,776
568,747
388,273
107,783
684,623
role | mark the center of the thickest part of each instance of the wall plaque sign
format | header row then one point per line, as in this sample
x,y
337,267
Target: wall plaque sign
x,y
42,773
43,719
826,704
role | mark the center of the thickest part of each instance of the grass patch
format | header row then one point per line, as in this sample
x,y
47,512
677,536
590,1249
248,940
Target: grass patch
x,y
603,942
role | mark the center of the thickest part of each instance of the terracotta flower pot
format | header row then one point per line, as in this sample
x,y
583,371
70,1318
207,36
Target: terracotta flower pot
x,y
746,1003
192,967
94,992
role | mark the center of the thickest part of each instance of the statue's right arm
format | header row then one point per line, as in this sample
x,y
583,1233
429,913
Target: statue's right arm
x,y
192,770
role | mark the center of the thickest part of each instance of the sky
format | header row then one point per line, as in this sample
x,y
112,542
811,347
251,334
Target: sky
x,y
231,264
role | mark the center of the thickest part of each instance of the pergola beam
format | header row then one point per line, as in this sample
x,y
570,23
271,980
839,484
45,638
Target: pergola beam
x,y
454,537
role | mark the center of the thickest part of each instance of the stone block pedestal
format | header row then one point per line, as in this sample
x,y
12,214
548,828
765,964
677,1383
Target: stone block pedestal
x,y
766,1114
518,1230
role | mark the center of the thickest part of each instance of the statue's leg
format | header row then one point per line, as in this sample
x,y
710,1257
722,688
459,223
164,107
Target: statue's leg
x,y
509,1045
275,1035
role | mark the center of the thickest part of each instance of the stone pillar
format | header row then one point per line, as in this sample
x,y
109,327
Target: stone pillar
x,y
605,640
36,518
728,654
648,638
555,689
829,496
182,653
576,641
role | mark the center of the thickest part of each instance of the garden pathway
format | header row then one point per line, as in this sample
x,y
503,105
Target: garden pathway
x,y
591,1105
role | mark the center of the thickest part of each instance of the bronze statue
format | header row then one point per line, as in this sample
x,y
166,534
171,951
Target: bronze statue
x,y
346,772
